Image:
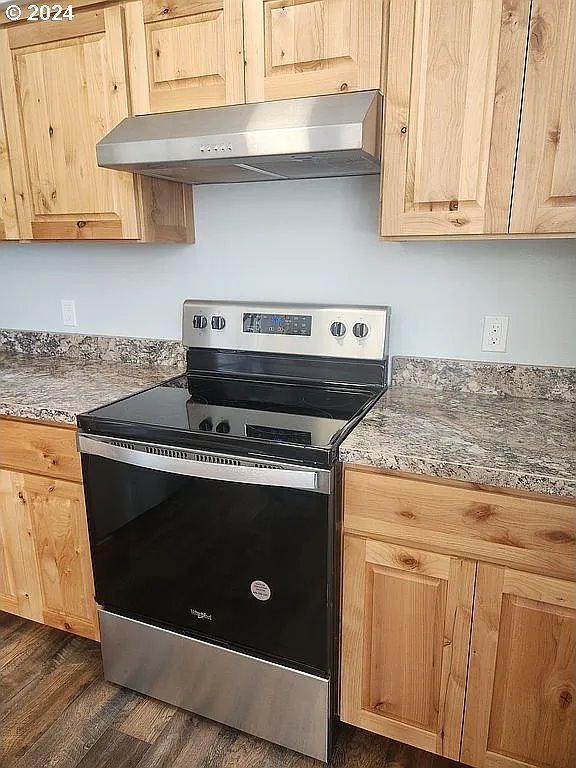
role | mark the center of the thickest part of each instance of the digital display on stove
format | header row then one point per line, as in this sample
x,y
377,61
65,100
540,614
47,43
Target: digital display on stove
x,y
287,325
279,435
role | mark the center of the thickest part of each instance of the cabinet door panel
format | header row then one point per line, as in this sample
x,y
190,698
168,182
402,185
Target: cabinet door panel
x,y
45,566
63,90
19,580
521,700
186,56
311,47
60,536
545,186
453,81
406,631
8,223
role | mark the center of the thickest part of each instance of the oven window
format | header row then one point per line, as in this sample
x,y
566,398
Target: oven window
x,y
245,566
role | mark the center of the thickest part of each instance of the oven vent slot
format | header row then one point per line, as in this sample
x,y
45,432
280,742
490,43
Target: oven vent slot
x,y
123,444
175,453
172,453
216,460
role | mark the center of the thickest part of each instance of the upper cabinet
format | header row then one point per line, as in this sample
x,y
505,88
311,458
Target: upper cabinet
x,y
479,130
453,86
8,224
311,47
64,86
185,55
545,186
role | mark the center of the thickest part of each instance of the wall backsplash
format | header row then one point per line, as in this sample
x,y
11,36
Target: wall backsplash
x,y
306,241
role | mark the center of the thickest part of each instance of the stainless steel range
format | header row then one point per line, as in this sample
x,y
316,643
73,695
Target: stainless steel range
x,y
214,516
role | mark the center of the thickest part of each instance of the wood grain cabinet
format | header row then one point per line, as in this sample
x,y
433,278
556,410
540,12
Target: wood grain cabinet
x,y
185,55
453,86
521,701
64,85
444,646
311,47
405,642
8,223
545,185
465,151
45,566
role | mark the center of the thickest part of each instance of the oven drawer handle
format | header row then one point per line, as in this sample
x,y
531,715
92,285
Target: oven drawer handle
x,y
302,479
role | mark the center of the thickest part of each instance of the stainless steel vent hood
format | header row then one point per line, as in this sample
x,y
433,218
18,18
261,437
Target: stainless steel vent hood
x,y
314,137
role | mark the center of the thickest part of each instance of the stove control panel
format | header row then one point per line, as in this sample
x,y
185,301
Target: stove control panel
x,y
355,333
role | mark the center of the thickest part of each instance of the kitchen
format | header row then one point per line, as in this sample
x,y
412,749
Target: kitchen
x,y
448,528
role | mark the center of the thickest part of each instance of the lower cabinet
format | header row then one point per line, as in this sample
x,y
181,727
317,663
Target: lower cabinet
x,y
405,643
469,659
521,703
45,566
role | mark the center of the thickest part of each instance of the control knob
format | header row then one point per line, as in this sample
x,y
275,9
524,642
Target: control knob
x,y
338,329
223,427
199,321
205,425
360,330
218,322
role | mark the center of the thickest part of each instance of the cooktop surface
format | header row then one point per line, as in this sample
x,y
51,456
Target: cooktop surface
x,y
217,410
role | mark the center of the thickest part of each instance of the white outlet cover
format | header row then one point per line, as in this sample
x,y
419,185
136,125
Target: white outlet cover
x,y
495,333
68,312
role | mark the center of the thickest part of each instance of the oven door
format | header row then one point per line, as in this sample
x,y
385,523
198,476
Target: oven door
x,y
219,548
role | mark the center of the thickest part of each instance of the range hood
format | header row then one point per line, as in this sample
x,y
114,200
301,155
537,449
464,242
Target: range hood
x,y
314,137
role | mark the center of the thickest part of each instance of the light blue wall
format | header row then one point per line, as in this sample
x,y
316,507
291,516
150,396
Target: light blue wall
x,y
306,241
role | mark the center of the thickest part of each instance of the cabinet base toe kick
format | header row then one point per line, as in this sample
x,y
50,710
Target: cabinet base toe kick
x,y
276,703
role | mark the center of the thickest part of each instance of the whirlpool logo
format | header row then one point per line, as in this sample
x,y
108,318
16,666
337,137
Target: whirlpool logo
x,y
201,615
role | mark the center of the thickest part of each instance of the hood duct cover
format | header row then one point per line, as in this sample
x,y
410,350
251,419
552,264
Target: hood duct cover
x,y
314,137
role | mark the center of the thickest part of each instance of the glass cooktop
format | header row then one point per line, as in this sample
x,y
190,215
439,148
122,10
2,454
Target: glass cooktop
x,y
221,408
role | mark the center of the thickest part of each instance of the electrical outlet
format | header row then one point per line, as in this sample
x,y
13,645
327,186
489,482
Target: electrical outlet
x,y
495,333
68,311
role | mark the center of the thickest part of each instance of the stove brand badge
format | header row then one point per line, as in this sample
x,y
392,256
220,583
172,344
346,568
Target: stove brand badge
x,y
260,590
201,615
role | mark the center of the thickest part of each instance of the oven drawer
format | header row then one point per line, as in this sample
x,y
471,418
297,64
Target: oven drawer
x,y
268,700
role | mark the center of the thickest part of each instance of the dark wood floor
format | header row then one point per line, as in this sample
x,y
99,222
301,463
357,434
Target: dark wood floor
x,y
56,711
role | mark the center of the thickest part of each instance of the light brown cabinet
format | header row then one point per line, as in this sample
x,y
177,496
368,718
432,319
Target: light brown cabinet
x,y
453,85
522,682
8,223
64,85
444,646
410,612
311,47
545,185
45,566
185,55
465,151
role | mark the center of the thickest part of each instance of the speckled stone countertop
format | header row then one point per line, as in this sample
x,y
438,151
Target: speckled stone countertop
x,y
527,444
58,388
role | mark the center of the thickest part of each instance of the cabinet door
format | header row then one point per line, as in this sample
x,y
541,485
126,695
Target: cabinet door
x,y
64,86
185,55
311,47
60,534
45,566
452,85
521,699
8,225
545,186
406,632
19,579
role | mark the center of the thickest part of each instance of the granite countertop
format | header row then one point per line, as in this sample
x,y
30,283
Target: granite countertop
x,y
58,388
526,444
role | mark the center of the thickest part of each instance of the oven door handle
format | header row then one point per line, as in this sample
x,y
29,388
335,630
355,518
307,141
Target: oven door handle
x,y
148,456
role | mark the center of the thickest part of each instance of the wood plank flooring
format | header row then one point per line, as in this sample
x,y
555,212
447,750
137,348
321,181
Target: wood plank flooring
x,y
56,711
